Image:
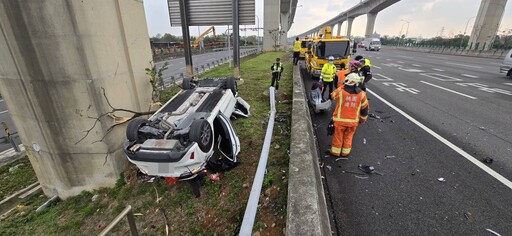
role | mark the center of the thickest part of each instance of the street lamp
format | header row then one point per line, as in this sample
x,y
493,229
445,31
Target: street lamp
x,y
462,39
258,26
401,28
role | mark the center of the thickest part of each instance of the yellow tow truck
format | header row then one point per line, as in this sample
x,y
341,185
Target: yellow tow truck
x,y
304,47
324,46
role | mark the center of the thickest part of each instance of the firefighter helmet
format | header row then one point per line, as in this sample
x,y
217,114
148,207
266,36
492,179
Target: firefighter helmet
x,y
352,79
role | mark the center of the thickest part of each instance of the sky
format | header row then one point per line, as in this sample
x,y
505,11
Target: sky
x,y
428,18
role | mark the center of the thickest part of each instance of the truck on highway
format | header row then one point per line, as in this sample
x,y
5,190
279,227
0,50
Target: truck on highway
x,y
304,47
324,46
371,44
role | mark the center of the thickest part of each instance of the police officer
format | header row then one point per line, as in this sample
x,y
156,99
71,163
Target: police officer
x,y
327,76
277,69
296,50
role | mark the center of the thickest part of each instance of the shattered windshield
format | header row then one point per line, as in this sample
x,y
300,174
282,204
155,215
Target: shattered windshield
x,y
335,49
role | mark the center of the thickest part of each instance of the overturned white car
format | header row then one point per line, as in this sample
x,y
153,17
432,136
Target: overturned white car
x,y
178,141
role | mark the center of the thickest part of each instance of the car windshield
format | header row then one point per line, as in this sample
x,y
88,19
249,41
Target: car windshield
x,y
336,49
375,42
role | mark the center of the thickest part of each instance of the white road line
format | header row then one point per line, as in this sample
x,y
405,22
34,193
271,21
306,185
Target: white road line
x,y
508,84
376,67
437,69
2,112
437,76
470,76
456,64
416,65
449,90
466,155
401,62
385,78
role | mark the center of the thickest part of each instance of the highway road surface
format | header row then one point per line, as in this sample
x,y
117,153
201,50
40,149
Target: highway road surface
x,y
434,119
177,66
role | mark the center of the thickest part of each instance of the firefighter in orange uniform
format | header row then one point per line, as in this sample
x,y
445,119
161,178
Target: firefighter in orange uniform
x,y
351,109
340,74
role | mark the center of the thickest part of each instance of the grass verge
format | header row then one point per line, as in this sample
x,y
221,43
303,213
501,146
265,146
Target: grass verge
x,y
220,209
16,176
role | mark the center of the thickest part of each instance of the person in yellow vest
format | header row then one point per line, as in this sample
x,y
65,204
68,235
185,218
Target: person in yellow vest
x,y
327,76
351,109
296,51
277,69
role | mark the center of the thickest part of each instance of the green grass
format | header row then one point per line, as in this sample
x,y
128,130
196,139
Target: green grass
x,y
221,207
20,177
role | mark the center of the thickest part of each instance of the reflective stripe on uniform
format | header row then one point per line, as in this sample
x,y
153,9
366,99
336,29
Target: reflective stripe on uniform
x,y
346,120
335,150
346,150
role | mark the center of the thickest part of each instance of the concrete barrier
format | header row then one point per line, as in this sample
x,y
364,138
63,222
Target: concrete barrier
x,y
495,53
307,207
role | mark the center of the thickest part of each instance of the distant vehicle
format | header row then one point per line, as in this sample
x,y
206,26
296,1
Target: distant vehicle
x,y
506,66
371,44
178,141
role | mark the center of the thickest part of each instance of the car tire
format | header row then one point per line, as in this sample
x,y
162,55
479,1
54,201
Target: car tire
x,y
132,131
201,132
186,84
231,84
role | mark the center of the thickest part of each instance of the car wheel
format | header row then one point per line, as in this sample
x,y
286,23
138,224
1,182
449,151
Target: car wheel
x,y
231,84
132,131
186,84
201,132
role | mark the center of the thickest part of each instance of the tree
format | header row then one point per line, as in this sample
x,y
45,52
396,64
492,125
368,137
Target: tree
x,y
275,34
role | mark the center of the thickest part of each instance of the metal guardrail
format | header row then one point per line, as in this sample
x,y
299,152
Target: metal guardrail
x,y
252,204
131,221
177,78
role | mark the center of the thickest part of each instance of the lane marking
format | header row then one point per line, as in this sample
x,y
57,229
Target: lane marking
x,y
401,62
1,100
402,87
508,84
486,88
2,112
470,76
411,70
405,57
437,69
416,65
456,64
466,155
385,78
435,76
376,67
449,90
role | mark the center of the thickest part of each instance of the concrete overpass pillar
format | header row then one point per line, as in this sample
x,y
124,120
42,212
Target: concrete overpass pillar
x,y
271,15
284,28
55,58
370,24
339,28
486,24
349,26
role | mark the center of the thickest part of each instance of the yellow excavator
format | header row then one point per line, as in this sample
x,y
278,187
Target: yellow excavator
x,y
198,40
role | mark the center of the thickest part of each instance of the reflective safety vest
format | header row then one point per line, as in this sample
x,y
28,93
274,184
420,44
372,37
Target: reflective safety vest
x,y
348,107
328,72
296,46
367,62
276,67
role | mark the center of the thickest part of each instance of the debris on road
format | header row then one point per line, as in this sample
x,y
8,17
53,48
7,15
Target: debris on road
x,y
361,177
350,172
364,140
368,169
487,160
328,167
341,158
493,232
441,179
372,115
467,215
388,157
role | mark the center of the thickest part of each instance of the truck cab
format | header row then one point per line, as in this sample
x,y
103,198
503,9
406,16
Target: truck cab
x,y
326,46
